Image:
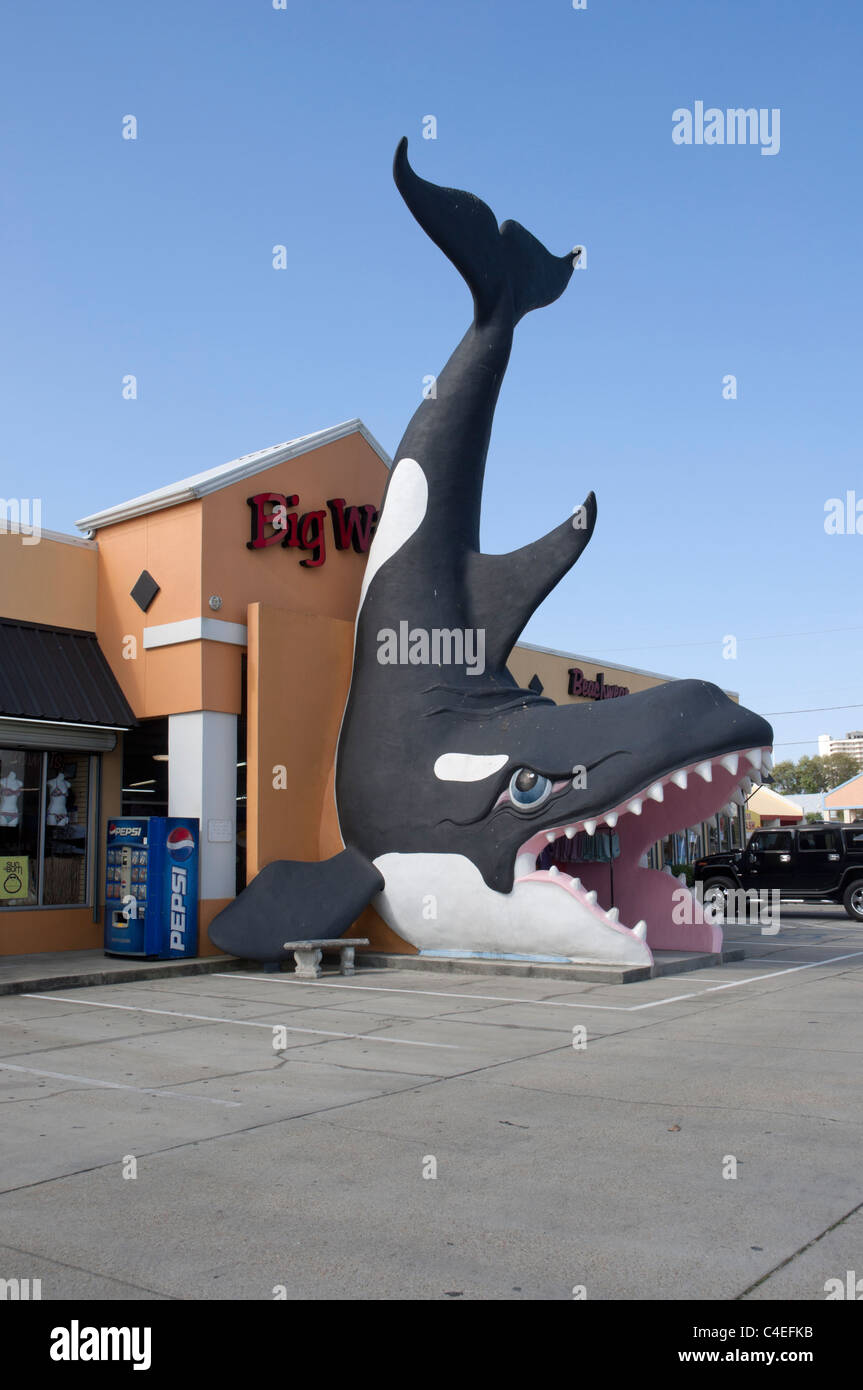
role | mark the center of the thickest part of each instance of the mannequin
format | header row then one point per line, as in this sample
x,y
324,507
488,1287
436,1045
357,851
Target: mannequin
x,y
11,788
58,790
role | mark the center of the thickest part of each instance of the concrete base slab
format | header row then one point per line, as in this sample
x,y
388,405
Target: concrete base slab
x,y
52,970
664,963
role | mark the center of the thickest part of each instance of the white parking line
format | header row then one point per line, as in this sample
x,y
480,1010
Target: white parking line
x,y
114,1085
240,1022
771,960
546,1003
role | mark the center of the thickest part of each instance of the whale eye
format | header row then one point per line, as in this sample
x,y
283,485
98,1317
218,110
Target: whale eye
x,y
528,789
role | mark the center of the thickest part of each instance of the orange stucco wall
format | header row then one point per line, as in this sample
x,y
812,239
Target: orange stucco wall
x,y
553,671
197,549
347,468
52,582
298,675
168,544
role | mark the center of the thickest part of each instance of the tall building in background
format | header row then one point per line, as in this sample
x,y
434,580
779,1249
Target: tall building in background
x,y
852,744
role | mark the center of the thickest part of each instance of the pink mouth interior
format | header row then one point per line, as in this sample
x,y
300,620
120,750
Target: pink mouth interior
x,y
642,895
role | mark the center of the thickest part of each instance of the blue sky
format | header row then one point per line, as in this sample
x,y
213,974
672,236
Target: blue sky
x,y
259,127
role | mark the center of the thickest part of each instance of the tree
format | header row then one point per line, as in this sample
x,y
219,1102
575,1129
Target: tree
x,y
786,778
816,774
811,775
841,767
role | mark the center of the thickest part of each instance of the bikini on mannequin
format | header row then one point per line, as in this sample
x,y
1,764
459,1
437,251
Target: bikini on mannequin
x,y
11,788
58,790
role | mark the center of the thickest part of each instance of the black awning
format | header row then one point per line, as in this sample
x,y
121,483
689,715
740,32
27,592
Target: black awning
x,y
59,675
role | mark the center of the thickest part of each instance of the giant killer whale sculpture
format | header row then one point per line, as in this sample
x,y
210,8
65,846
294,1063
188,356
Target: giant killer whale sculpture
x,y
450,779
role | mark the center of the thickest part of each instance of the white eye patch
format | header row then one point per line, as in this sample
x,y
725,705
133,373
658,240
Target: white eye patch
x,y
468,767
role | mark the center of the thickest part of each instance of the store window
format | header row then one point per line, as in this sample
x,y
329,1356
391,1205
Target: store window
x,y
736,831
693,843
44,828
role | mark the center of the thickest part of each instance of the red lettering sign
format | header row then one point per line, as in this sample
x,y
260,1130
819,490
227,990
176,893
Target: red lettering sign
x,y
594,690
273,523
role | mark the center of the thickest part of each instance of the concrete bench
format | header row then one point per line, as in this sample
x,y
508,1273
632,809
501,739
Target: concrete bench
x,y
307,954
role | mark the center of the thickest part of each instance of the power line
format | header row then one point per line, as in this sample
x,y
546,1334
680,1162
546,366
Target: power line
x,y
818,709
712,642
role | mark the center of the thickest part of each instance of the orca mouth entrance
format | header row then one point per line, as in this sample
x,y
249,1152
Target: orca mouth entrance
x,y
623,895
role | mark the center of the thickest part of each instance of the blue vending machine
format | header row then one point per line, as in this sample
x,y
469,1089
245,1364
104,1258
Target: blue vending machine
x,y
151,887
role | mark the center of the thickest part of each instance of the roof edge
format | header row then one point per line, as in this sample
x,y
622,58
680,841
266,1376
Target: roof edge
x,y
604,661
246,467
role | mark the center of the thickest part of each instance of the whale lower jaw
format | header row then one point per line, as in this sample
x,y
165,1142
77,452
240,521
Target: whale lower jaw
x,y
440,902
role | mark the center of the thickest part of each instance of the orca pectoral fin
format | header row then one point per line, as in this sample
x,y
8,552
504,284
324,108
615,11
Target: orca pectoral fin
x,y
292,900
507,589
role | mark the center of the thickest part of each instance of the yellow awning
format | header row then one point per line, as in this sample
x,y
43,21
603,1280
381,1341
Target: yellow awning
x,y
769,805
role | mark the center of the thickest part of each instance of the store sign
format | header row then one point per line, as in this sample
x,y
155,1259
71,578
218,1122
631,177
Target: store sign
x,y
274,523
594,690
14,878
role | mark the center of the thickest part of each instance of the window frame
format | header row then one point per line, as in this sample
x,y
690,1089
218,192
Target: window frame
x,y
94,768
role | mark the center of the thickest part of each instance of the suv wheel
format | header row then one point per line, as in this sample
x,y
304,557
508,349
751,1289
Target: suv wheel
x,y
714,894
852,900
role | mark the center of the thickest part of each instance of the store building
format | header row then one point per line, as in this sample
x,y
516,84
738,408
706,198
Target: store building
x,y
851,744
767,808
845,802
190,655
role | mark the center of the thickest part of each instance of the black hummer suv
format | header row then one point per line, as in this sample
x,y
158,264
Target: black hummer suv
x,y
812,862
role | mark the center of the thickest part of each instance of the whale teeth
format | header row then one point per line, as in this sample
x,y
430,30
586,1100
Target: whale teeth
x,y
731,809
576,883
640,930
754,756
655,792
569,831
705,770
611,820
550,836
590,827
613,914
680,779
766,761
591,897
525,864
681,878
554,871
730,763
737,797
635,806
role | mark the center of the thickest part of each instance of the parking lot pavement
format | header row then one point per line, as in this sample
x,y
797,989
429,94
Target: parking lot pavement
x,y
406,1134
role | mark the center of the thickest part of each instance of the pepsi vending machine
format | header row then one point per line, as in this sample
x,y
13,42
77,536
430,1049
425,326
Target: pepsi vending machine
x,y
151,887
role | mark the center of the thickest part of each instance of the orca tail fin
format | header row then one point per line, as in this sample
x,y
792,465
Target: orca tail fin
x,y
293,900
495,262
